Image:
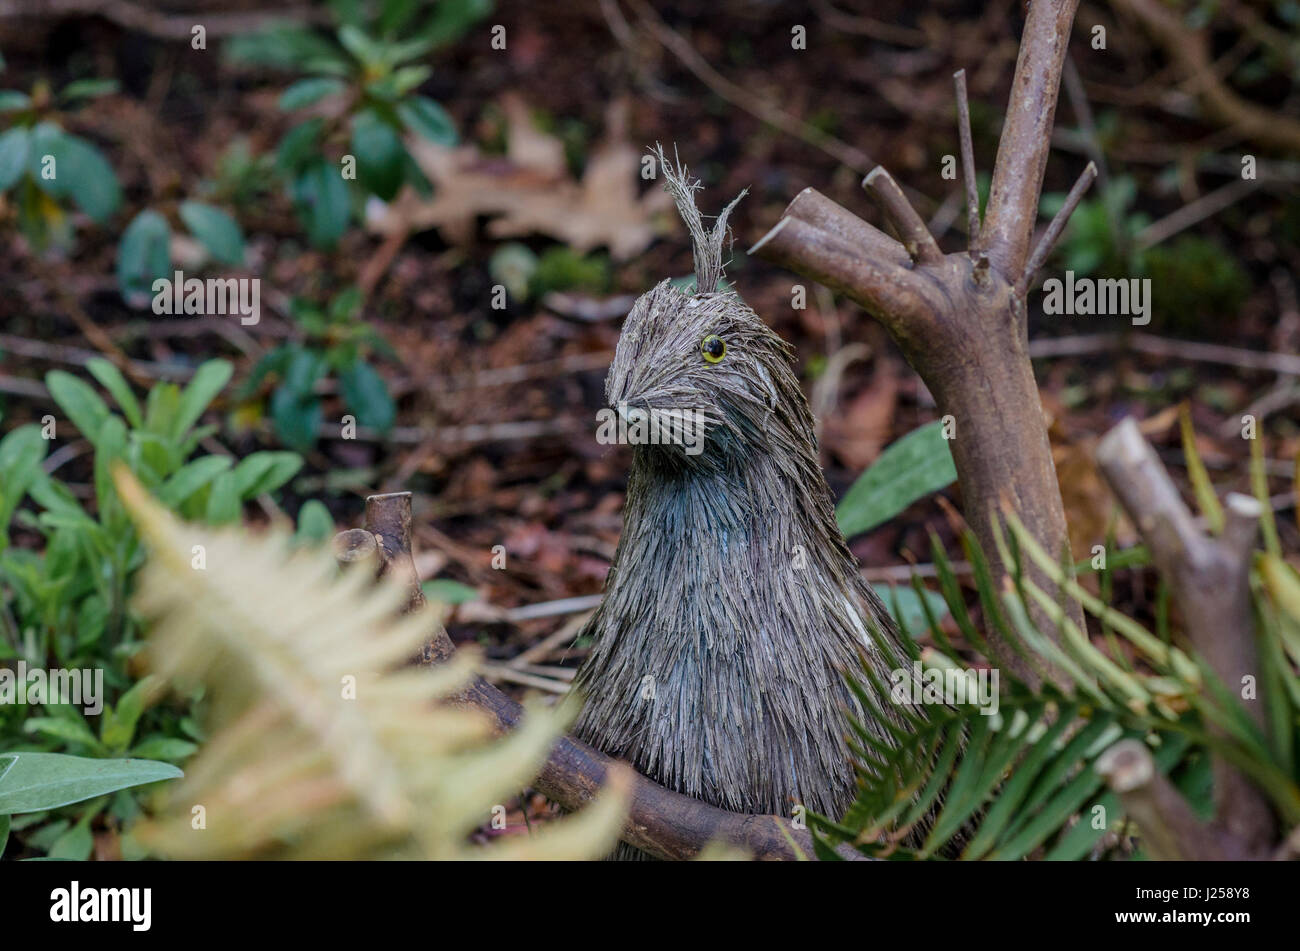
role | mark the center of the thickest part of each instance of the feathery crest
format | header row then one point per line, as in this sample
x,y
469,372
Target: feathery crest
x,y
707,244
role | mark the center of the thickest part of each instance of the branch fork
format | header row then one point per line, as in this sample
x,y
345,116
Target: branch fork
x,y
960,319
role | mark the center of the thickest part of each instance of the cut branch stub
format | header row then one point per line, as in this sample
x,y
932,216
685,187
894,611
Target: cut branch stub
x,y
1166,827
1210,581
907,224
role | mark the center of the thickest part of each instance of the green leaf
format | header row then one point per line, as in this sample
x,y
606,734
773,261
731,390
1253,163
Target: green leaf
x,y
447,591
300,145
92,619
265,472
4,834
427,119
117,725
12,100
366,50
75,845
307,91
223,501
88,89
209,380
70,731
79,402
13,155
296,418
111,379
379,152
87,177
21,454
190,478
315,524
452,18
283,47
396,14
215,230
913,467
366,394
321,197
167,748
1200,479
32,782
396,53
143,256
346,304
905,606
398,83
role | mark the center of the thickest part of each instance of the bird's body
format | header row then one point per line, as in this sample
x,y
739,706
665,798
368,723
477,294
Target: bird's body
x,y
734,609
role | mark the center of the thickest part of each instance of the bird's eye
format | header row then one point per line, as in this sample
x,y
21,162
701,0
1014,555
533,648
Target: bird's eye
x,y
714,348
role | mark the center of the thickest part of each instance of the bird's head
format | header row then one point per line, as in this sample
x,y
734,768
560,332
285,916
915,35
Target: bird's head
x,y
701,357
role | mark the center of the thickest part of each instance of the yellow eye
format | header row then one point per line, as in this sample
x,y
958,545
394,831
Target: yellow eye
x,y
714,348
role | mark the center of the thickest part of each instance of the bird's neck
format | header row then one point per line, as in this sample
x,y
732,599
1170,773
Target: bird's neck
x,y
780,508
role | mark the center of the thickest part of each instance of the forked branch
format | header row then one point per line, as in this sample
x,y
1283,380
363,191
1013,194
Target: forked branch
x,y
960,319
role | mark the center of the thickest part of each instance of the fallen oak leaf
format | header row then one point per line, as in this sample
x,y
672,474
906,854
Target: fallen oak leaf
x,y
529,191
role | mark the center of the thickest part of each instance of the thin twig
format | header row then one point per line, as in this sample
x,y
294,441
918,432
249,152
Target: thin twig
x,y
543,648
967,159
1193,212
510,674
1054,229
1079,344
1026,136
837,149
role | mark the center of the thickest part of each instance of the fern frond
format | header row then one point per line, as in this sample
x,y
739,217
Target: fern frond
x,y
327,744
1022,782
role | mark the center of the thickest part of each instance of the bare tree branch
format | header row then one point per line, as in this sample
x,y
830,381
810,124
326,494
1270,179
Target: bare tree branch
x,y
1054,229
1191,50
887,290
1026,136
960,319
1210,580
967,158
1167,828
920,244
